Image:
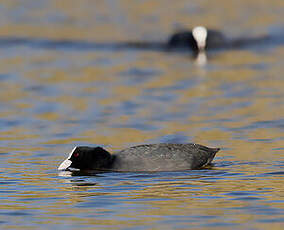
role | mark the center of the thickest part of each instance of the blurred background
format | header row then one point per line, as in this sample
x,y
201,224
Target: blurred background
x,y
55,95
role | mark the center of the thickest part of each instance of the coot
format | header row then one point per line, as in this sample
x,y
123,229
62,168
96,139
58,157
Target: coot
x,y
152,157
198,39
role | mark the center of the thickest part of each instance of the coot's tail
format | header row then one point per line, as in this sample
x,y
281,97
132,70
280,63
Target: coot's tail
x,y
213,152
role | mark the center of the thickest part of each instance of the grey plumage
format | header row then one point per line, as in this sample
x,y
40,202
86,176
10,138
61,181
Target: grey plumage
x,y
163,157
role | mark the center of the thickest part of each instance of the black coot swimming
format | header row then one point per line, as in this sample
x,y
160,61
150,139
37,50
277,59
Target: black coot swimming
x,y
152,157
198,39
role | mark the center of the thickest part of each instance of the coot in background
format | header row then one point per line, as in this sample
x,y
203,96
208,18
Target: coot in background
x,y
201,39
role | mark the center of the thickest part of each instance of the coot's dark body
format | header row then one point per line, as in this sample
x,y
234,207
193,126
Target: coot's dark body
x,y
153,157
163,157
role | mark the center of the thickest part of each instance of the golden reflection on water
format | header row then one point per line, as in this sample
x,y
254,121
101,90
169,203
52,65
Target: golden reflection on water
x,y
106,20
52,100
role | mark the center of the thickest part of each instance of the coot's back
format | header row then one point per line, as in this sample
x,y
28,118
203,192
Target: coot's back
x,y
163,157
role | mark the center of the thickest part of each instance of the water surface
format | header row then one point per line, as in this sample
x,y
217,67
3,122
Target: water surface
x,y
54,98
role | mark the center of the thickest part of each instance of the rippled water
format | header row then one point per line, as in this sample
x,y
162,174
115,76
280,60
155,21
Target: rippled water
x,y
53,97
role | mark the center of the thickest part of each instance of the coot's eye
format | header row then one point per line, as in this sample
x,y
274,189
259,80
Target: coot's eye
x,y
76,154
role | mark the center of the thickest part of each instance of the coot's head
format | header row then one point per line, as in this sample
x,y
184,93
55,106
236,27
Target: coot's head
x,y
84,157
199,34
196,39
